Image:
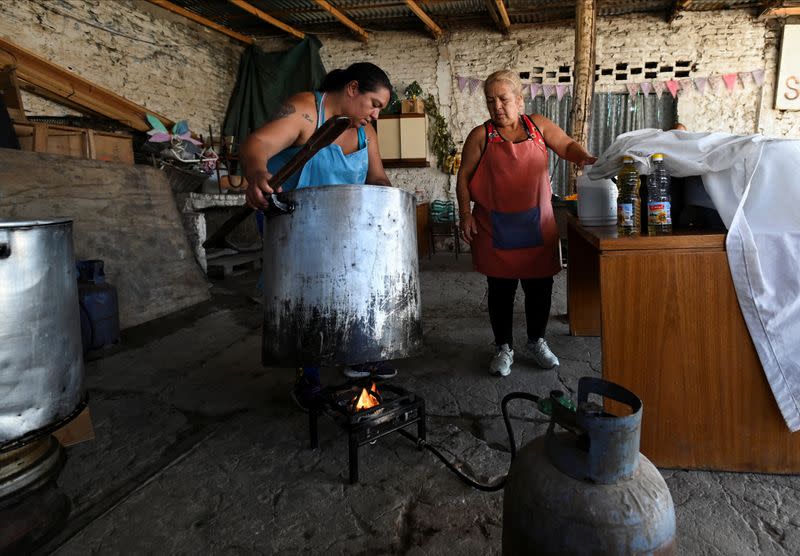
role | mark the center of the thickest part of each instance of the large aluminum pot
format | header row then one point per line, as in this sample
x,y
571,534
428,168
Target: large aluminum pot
x,y
41,362
341,279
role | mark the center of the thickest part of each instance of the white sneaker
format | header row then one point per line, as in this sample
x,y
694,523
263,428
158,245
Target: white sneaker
x,y
541,354
501,362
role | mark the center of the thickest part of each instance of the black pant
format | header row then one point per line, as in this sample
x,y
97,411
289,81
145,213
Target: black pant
x,y
538,292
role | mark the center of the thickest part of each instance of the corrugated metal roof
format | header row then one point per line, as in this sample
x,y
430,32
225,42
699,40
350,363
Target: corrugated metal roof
x,y
709,5
382,15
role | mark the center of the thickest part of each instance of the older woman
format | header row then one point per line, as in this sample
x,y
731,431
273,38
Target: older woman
x,y
511,228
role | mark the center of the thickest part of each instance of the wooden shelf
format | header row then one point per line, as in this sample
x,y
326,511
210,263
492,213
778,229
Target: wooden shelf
x,y
400,116
406,163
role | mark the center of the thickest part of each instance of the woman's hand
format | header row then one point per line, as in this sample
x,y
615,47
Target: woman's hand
x,y
586,160
469,229
470,157
258,189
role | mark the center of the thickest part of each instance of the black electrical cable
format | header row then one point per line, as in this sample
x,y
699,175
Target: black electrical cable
x,y
460,474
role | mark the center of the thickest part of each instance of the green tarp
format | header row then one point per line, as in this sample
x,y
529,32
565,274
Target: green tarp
x,y
265,79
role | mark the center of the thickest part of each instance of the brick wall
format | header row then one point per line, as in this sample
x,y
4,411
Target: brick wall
x,y
148,55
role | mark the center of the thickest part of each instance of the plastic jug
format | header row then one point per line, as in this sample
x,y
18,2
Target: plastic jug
x,y
597,201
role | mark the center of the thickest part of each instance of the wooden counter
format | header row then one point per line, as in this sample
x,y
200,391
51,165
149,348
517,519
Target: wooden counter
x,y
672,332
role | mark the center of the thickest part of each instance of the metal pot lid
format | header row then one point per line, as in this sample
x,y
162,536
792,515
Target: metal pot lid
x,y
13,224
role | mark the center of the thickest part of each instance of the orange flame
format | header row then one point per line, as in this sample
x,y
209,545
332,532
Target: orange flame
x,y
366,400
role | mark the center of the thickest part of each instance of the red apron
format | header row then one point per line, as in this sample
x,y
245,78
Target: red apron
x,y
517,234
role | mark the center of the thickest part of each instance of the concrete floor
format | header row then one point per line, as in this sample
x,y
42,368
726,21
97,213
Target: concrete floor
x,y
200,450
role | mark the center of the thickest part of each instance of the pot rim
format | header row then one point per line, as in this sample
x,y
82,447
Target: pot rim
x,y
14,224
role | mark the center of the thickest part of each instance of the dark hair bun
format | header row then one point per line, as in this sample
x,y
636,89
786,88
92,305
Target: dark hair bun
x,y
369,77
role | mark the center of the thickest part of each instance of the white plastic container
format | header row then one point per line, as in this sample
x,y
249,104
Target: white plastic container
x,y
597,201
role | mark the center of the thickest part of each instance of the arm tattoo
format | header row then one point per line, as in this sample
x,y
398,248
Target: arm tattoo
x,y
308,118
285,110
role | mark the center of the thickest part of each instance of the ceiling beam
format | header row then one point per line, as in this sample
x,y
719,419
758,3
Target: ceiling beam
x,y
435,30
202,20
361,34
677,7
263,16
782,12
57,83
502,19
767,5
490,9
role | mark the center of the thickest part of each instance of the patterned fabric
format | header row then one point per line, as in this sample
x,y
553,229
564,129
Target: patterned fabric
x,y
493,136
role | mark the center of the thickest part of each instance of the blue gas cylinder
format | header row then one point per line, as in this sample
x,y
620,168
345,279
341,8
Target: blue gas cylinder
x,y
584,488
98,304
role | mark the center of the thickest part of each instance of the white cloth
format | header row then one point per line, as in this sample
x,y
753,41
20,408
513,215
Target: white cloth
x,y
754,182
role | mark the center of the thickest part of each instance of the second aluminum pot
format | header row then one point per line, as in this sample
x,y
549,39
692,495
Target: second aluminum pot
x,y
41,359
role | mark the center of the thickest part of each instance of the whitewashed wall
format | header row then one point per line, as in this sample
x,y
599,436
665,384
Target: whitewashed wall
x,y
148,55
714,42
181,69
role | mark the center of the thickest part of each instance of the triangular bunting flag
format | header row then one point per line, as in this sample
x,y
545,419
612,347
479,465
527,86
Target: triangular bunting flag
x,y
758,76
474,84
535,89
716,82
646,87
462,83
633,89
745,77
730,81
548,90
672,85
686,84
701,83
658,87
560,90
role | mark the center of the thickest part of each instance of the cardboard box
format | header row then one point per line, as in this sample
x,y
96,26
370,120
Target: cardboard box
x,y
80,429
111,147
75,141
415,106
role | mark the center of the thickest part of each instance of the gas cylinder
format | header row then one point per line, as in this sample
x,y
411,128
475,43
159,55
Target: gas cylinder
x,y
584,488
98,304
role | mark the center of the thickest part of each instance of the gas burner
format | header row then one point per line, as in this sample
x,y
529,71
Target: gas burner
x,y
367,413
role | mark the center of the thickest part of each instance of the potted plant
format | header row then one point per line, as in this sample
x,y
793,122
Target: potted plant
x,y
413,103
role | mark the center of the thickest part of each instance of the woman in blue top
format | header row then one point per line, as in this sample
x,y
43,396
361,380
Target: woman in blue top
x,y
359,92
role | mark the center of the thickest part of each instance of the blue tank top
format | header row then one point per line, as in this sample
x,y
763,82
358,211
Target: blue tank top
x,y
330,166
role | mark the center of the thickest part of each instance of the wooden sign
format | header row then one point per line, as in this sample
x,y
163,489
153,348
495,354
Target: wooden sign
x,y
787,90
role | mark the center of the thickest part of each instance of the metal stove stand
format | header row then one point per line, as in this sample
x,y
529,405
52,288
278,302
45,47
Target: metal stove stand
x,y
398,409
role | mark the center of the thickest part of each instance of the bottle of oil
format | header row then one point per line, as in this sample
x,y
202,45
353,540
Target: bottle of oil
x,y
628,203
659,218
